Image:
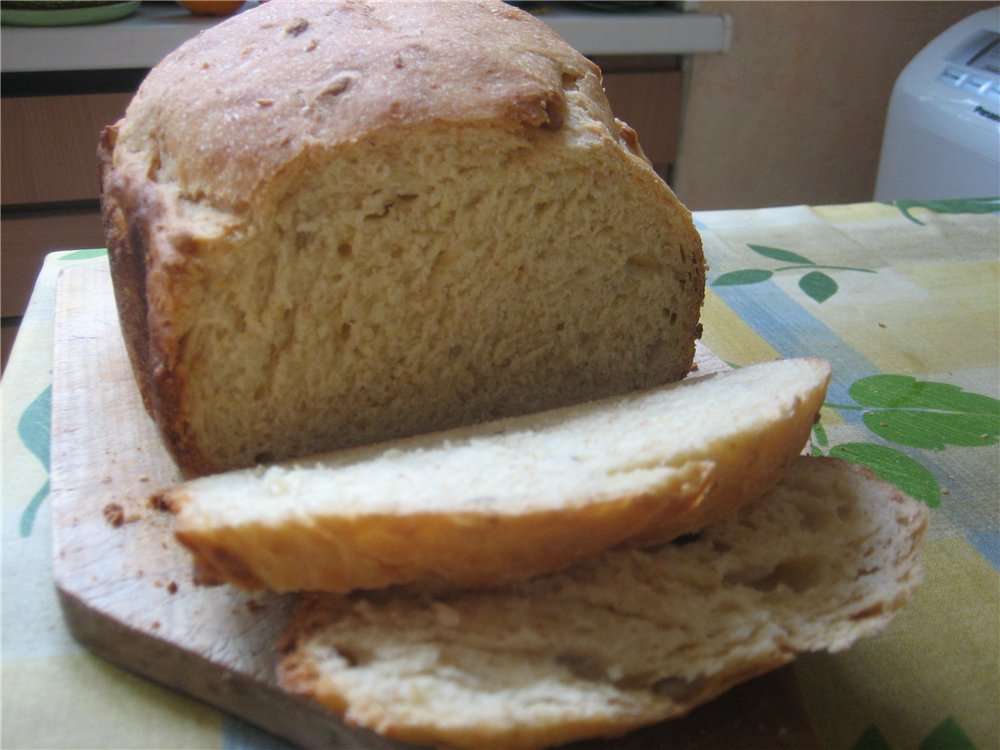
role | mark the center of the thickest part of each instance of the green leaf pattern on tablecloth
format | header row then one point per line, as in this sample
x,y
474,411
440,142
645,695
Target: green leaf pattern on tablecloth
x,y
780,255
818,285
893,466
947,735
925,414
97,252
34,428
916,414
746,276
871,739
952,206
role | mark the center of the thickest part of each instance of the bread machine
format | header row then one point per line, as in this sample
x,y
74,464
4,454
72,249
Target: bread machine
x,y
942,134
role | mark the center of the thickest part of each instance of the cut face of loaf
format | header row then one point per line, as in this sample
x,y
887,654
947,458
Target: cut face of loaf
x,y
509,499
625,639
337,223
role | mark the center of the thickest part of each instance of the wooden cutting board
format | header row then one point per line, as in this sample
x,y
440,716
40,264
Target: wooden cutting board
x,y
125,584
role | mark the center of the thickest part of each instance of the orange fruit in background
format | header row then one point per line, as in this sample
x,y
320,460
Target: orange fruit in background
x,y
211,7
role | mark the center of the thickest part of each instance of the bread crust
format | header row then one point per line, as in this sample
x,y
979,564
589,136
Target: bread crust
x,y
438,550
145,264
128,265
231,109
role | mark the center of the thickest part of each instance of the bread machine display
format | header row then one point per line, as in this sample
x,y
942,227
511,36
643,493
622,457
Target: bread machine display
x,y
409,308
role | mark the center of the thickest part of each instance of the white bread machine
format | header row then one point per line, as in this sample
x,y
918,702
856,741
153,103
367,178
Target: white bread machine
x,y
942,134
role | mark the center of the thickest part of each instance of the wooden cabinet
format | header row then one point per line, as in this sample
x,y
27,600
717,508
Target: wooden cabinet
x,y
49,145
49,183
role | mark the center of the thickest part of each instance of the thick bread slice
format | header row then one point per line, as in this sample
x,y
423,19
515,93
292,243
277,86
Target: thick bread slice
x,y
335,223
508,499
626,639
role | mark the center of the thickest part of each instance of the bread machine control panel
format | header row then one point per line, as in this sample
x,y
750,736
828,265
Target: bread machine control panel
x,y
974,69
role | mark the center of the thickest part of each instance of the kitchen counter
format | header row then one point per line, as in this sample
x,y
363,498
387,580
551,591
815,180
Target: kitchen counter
x,y
901,299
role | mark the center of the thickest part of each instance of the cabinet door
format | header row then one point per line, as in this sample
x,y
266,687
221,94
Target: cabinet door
x,y
50,145
29,237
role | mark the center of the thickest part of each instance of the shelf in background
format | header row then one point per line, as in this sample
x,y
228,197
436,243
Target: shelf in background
x,y
156,29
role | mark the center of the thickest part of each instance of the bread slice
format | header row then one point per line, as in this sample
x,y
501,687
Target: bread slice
x,y
508,499
623,640
337,223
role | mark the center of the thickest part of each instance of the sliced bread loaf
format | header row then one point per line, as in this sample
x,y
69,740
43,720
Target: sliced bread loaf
x,y
626,639
334,223
508,499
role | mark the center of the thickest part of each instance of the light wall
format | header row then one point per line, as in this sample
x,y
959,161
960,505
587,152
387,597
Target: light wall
x,y
794,112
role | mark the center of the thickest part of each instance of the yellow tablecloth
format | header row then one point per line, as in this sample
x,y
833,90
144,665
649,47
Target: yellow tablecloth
x,y
903,300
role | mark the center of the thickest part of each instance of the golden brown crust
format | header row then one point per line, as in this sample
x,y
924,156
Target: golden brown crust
x,y
329,73
142,262
128,266
439,549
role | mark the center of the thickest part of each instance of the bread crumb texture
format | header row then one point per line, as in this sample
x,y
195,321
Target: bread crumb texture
x,y
624,639
342,222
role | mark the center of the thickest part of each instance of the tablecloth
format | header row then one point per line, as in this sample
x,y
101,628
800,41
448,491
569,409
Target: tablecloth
x,y
903,299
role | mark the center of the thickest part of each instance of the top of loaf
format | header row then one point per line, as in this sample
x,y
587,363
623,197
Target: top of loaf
x,y
228,109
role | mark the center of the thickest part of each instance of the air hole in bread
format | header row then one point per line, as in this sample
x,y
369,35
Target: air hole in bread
x,y
636,681
584,666
380,214
798,574
687,539
817,517
353,656
570,81
644,262
676,688
847,512
721,546
874,611
303,240
657,350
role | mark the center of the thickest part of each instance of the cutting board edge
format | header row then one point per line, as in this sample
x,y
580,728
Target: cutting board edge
x,y
136,651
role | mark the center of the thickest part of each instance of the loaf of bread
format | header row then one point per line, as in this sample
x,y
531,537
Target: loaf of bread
x,y
340,222
505,500
625,639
